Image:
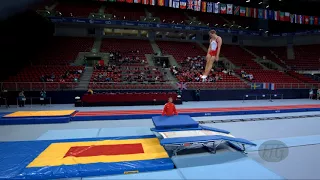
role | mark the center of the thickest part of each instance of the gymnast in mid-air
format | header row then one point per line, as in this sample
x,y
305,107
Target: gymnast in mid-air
x,y
213,53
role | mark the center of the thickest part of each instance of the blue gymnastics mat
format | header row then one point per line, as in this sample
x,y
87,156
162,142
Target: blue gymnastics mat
x,y
95,133
168,174
223,165
192,114
289,142
171,122
16,158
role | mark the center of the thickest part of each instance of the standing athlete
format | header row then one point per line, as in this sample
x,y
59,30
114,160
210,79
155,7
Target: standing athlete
x,y
213,52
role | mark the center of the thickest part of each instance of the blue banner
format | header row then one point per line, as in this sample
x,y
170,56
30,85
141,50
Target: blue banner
x,y
167,26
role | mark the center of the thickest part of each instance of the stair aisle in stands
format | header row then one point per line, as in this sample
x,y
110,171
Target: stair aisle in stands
x,y
85,78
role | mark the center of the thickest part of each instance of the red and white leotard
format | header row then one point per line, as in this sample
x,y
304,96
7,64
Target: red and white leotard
x,y
213,48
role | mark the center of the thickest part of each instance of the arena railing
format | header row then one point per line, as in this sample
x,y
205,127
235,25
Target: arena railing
x,y
52,86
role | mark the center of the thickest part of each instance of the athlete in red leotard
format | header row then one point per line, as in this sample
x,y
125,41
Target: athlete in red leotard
x,y
213,52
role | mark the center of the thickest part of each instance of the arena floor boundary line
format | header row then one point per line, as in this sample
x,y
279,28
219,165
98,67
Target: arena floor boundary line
x,y
196,112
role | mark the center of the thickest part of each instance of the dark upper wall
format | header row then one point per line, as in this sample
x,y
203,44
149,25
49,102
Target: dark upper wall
x,y
22,35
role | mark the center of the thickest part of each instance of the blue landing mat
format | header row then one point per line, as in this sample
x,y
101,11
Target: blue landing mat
x,y
170,174
171,122
16,156
34,120
198,114
95,133
289,142
223,165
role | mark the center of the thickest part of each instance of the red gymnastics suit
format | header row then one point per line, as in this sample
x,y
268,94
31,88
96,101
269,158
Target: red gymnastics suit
x,y
213,48
169,109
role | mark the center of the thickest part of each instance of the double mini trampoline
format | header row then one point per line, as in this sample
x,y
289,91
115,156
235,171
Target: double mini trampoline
x,y
177,133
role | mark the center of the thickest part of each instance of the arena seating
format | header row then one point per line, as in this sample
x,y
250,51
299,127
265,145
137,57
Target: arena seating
x,y
244,22
64,50
265,51
124,11
126,46
207,18
271,76
128,97
306,58
181,50
77,10
30,78
170,16
239,57
302,77
134,77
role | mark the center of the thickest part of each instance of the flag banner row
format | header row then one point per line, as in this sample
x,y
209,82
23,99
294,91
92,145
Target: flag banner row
x,y
221,8
179,27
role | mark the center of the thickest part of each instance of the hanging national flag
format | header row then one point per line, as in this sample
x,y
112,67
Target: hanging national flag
x,y
296,18
197,5
301,19
146,2
209,7
204,6
129,1
153,2
190,4
316,20
265,14
216,8
281,16
182,85
271,15
161,2
276,15
183,4
311,20
292,18
306,20
223,9
260,13
175,4
254,12
242,11
287,16
272,86
139,1
170,3
248,12
229,8
236,10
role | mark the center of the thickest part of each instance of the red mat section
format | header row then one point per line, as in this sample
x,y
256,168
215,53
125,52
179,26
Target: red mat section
x,y
105,150
195,110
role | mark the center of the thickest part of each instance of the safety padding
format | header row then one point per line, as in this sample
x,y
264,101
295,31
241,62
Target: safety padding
x,y
184,140
196,112
170,122
55,159
37,117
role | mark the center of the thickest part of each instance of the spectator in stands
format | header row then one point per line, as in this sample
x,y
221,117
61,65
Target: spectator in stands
x,y
318,94
42,78
21,99
198,95
90,91
43,96
311,93
169,108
